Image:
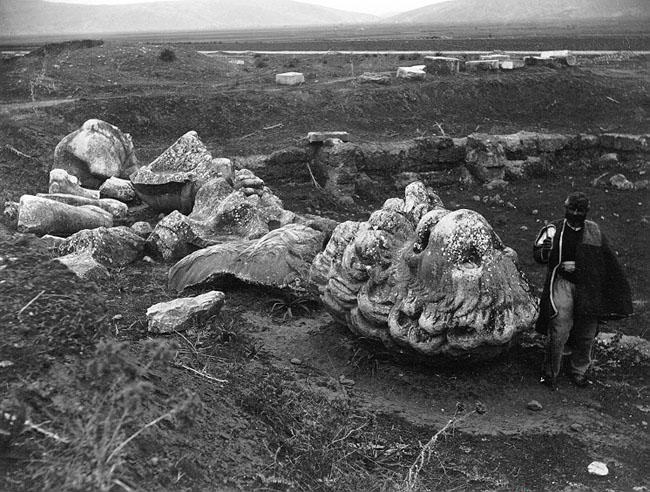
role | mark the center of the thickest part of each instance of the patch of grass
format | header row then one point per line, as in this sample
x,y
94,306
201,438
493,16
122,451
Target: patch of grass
x,y
121,406
319,441
287,308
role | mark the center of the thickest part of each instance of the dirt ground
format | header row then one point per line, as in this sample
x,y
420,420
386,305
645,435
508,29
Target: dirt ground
x,y
271,394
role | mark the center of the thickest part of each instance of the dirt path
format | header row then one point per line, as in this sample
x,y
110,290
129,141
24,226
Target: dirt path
x,y
427,396
6,108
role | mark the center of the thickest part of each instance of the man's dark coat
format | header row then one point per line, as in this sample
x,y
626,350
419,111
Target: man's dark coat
x,y
602,290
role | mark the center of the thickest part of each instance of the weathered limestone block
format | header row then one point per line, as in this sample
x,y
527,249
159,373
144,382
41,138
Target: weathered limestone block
x,y
424,279
416,72
239,215
481,65
112,247
515,169
117,188
173,237
441,65
289,78
485,157
172,180
318,137
626,143
42,216
339,165
142,229
95,152
495,56
184,313
620,182
512,64
84,266
374,78
10,212
62,182
552,142
114,207
281,259
53,242
564,57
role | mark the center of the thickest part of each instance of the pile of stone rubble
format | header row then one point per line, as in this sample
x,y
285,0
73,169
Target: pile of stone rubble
x,y
414,275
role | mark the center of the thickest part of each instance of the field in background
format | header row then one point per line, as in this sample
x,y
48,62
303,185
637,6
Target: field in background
x,y
629,36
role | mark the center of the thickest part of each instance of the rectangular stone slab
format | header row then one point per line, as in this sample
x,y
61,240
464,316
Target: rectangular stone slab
x,y
289,78
479,65
315,137
441,64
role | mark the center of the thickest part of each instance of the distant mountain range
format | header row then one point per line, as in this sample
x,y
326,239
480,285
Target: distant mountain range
x,y
511,11
18,17
31,17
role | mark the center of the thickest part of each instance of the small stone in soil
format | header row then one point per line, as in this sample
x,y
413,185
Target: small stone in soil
x,y
534,405
345,381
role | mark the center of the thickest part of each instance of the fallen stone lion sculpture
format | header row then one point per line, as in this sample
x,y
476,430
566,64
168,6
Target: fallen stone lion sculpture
x,y
424,279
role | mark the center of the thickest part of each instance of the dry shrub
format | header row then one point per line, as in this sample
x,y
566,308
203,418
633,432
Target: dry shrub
x,y
167,55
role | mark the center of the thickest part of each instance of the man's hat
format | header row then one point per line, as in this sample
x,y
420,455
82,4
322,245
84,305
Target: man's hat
x,y
577,200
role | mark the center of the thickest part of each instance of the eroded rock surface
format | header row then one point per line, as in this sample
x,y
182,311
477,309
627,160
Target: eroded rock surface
x,y
181,314
172,180
224,209
422,278
84,266
110,246
95,152
114,207
117,188
63,182
281,259
43,216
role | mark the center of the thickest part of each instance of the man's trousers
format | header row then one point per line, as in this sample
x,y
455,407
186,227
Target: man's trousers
x,y
580,331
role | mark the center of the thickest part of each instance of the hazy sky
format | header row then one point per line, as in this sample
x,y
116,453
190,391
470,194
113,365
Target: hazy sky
x,y
376,7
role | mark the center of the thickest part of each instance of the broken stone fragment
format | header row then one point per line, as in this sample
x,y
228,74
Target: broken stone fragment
x,y
245,178
481,65
534,405
624,142
117,188
142,229
11,212
620,182
424,279
95,152
172,180
114,207
416,72
53,242
43,216
485,157
114,246
289,78
317,137
609,159
172,238
374,78
84,266
181,314
441,65
281,260
512,64
62,182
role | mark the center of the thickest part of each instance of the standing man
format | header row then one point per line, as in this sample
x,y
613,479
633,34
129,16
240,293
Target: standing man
x,y
584,283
